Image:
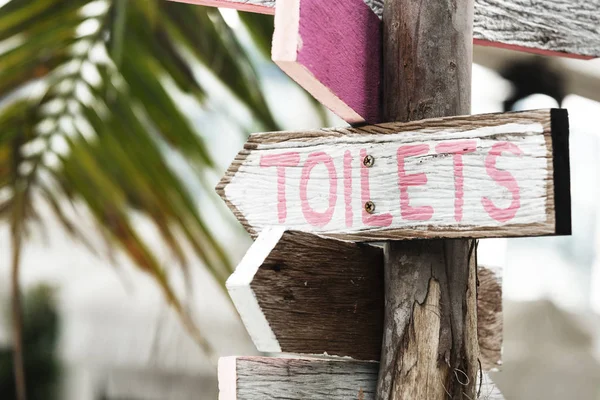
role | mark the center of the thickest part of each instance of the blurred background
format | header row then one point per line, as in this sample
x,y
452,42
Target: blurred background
x,y
117,119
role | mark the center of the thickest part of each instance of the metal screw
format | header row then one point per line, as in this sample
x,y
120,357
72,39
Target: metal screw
x,y
370,207
368,161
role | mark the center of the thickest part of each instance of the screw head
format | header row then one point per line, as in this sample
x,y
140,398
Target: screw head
x,y
370,207
368,161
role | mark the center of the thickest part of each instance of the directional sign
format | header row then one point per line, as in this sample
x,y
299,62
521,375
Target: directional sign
x,y
259,378
558,27
495,175
298,293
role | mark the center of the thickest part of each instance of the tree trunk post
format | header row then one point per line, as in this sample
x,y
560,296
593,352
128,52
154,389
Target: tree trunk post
x,y
430,346
17,315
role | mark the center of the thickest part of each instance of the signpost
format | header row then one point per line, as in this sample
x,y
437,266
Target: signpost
x,y
305,286
430,348
479,176
496,175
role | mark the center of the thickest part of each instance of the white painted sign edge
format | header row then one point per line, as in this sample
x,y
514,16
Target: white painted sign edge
x,y
243,297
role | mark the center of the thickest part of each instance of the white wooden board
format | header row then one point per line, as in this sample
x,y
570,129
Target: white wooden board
x,y
495,175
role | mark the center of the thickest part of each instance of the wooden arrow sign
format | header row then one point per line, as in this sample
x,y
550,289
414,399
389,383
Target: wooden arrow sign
x,y
260,378
496,175
298,293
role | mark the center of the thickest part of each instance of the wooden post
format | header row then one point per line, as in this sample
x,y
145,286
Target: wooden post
x,y
430,334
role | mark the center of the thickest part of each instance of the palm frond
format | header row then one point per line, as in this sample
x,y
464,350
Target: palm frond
x,y
88,105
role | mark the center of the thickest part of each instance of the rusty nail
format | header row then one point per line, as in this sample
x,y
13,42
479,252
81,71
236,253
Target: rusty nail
x,y
368,161
370,207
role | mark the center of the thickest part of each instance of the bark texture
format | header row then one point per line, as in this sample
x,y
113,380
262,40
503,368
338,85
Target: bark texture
x,y
430,346
430,330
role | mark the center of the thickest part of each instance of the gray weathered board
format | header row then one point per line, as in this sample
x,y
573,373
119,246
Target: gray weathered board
x,y
494,175
298,293
561,27
260,378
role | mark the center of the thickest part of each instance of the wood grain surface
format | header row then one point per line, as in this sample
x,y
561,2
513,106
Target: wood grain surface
x,y
337,60
511,179
568,28
550,27
298,293
262,378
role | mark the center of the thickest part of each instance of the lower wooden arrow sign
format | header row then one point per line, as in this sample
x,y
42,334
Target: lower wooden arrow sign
x,y
494,175
260,378
298,293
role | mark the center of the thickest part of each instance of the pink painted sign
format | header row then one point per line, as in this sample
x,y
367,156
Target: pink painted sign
x,y
337,60
333,48
478,176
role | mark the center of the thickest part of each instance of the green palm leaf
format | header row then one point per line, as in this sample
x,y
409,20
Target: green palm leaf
x,y
88,105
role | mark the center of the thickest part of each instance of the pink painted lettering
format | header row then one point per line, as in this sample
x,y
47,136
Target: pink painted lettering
x,y
281,161
503,178
348,187
423,213
365,192
458,148
313,217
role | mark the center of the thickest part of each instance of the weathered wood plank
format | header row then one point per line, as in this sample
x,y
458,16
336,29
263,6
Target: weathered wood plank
x,y
558,27
260,378
550,27
496,175
298,293
335,59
